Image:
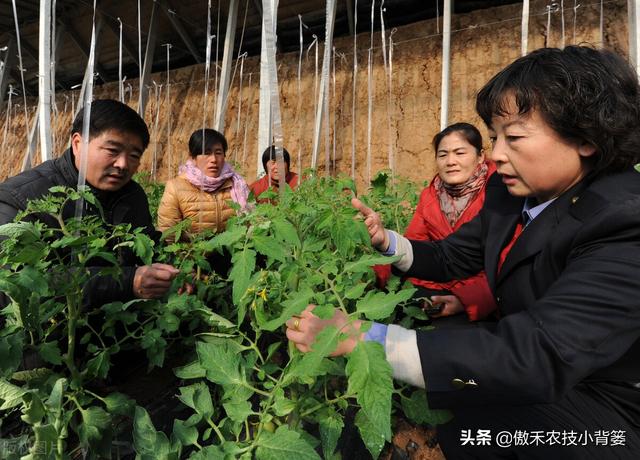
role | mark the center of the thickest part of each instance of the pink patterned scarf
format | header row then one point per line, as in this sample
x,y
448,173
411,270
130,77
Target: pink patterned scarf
x,y
239,191
454,199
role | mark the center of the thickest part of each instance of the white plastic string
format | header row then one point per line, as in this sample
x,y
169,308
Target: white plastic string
x,y
239,116
547,41
576,5
437,17
383,35
139,63
299,89
562,22
601,23
24,93
120,81
391,106
370,98
7,119
167,86
52,78
353,89
524,36
86,119
314,43
335,112
157,89
246,123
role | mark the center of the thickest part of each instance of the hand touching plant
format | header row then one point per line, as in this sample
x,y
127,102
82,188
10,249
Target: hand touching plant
x,y
303,329
373,222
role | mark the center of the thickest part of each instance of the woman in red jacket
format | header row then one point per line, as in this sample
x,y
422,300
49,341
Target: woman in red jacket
x,y
454,197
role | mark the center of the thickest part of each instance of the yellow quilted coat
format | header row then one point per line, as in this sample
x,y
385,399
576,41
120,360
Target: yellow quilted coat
x,y
183,200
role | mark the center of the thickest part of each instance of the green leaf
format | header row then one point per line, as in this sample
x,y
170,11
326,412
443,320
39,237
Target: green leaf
x,y
284,443
186,434
294,305
95,430
378,305
44,442
118,403
372,437
143,247
370,378
244,263
417,409
11,352
367,261
269,247
238,411
198,397
285,231
54,402
330,430
50,352
355,291
10,395
228,238
100,364
33,410
209,453
221,363
149,443
311,363
192,370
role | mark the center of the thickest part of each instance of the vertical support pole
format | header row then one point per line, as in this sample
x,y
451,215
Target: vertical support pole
x,y
5,70
446,64
225,76
148,60
44,80
524,36
634,38
32,142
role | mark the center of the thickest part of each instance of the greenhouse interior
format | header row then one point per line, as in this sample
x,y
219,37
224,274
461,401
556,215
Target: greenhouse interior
x,y
211,216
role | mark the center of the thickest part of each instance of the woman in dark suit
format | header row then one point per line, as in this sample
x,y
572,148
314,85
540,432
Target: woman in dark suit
x,y
559,239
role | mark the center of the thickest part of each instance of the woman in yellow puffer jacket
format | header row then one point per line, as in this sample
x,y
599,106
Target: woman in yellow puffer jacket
x,y
204,188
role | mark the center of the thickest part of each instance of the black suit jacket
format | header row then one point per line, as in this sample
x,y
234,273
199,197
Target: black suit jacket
x,y
568,296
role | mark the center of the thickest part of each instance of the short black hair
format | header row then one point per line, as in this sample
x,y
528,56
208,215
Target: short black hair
x,y
467,130
109,114
203,140
270,154
583,94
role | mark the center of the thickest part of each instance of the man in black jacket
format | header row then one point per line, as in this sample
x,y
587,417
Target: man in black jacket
x,y
117,139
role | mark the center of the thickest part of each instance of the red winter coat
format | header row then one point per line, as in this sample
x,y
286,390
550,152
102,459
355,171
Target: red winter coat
x,y
262,185
429,223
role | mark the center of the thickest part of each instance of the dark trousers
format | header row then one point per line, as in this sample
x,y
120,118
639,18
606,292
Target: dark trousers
x,y
584,417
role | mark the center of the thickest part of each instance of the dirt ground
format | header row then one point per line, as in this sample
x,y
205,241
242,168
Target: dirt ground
x,y
414,443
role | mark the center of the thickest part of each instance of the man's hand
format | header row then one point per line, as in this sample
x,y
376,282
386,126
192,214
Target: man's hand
x,y
452,305
379,236
303,329
153,281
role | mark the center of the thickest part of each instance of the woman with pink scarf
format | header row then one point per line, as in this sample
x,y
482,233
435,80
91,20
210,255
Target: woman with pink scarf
x,y
205,187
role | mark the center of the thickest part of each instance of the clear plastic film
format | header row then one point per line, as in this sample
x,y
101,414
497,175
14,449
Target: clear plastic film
x,y
576,5
246,120
215,65
387,73
270,8
548,32
562,42
86,120
8,118
157,89
391,105
322,107
239,115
